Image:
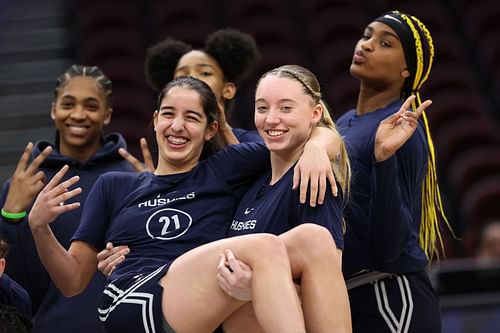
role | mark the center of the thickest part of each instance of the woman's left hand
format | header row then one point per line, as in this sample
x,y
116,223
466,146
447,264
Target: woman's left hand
x,y
396,129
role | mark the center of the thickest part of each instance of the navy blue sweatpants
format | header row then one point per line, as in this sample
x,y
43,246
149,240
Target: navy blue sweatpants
x,y
397,304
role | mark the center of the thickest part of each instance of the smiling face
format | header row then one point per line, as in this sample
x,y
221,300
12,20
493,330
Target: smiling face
x,y
379,58
182,129
80,112
200,65
284,115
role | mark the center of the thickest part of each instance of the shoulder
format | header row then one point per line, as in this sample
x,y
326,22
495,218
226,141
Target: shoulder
x,y
244,135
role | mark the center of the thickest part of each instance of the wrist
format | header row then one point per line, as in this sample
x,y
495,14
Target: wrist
x,y
13,216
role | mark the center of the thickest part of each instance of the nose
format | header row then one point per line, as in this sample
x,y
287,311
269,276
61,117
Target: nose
x,y
78,113
177,124
273,117
366,45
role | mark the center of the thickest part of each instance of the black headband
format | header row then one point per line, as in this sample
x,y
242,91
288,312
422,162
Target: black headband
x,y
396,22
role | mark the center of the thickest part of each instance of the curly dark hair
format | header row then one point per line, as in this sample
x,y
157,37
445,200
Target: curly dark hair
x,y
235,52
4,248
161,60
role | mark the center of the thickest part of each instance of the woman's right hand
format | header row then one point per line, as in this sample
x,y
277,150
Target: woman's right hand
x,y
109,258
50,202
148,165
26,182
234,276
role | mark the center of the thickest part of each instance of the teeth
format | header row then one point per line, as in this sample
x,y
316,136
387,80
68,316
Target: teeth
x,y
176,140
275,132
78,130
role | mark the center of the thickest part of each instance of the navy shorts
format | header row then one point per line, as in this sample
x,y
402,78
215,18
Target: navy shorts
x,y
134,304
401,303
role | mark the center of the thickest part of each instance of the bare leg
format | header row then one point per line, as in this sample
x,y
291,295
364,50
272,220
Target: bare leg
x,y
243,321
193,301
317,262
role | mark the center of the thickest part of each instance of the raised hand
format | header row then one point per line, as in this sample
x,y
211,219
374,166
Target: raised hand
x,y
26,182
148,165
234,276
396,129
50,202
109,258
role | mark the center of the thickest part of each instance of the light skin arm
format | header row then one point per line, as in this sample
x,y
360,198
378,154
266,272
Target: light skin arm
x,y
70,270
314,166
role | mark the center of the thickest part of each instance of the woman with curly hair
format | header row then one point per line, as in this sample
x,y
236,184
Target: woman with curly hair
x,y
226,59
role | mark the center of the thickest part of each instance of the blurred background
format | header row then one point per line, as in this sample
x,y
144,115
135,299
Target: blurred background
x,y
39,39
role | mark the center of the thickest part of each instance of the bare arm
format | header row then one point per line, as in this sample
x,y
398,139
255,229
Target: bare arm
x,y
314,167
225,130
70,270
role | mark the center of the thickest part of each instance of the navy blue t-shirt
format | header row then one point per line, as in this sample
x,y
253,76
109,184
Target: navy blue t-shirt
x,y
276,209
162,217
11,293
383,213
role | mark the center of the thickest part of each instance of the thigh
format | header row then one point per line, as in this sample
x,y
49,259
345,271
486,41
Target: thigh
x,y
192,299
402,303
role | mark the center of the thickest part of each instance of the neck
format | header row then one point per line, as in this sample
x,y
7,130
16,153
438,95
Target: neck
x,y
371,99
282,162
167,168
81,154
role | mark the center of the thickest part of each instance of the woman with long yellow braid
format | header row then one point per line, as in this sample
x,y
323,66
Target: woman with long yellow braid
x,y
394,209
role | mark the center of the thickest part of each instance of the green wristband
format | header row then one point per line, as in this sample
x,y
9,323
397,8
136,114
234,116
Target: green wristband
x,y
13,216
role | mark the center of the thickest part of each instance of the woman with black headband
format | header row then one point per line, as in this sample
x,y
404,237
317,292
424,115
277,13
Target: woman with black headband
x,y
392,214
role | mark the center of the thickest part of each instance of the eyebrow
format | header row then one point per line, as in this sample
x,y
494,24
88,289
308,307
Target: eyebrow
x,y
86,99
197,65
280,100
168,107
384,32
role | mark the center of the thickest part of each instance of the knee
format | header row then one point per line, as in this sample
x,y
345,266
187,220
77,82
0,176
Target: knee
x,y
312,244
314,238
270,247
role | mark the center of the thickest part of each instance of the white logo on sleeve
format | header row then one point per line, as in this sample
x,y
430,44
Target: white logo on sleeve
x,y
168,223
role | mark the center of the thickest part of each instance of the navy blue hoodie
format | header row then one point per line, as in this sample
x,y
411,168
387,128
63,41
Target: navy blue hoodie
x,y
52,311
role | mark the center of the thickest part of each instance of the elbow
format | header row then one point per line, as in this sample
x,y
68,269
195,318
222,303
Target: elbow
x,y
71,290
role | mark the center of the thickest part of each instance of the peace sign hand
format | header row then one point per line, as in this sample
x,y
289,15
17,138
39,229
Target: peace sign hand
x,y
49,204
148,165
27,181
396,129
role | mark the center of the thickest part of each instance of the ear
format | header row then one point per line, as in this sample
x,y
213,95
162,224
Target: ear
x,y
229,90
53,111
211,130
109,113
405,73
2,266
317,113
155,119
